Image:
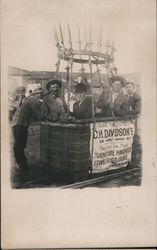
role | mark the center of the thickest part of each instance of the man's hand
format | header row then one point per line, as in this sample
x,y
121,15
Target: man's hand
x,y
71,118
65,118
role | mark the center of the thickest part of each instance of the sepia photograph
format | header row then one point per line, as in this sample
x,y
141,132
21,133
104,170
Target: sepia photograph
x,y
78,97
79,121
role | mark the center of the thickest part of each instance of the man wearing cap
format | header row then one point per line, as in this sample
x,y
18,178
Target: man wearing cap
x,y
16,101
82,108
112,101
20,124
53,106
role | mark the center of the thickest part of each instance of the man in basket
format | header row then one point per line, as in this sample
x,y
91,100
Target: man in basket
x,y
54,107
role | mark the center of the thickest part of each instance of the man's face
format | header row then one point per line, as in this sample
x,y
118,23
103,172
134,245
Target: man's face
x,y
54,89
117,86
39,95
80,96
130,89
22,94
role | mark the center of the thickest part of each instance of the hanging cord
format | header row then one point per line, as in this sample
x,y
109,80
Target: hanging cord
x,y
63,56
58,54
68,85
106,61
80,50
97,59
71,67
71,80
62,87
93,108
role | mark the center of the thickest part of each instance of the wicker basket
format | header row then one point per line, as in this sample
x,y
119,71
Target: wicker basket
x,y
66,148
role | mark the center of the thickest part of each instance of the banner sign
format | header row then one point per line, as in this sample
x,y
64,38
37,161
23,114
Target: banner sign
x,y
111,144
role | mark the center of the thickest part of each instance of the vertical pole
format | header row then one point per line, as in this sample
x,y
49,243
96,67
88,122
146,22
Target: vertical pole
x,y
90,67
62,50
58,54
71,76
62,87
68,86
71,66
106,63
98,70
93,111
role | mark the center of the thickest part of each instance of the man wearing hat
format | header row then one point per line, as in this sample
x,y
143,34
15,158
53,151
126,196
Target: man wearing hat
x,y
20,124
53,106
16,101
82,108
112,101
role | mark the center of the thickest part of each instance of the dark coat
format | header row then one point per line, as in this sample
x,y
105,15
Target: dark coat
x,y
120,107
134,104
53,108
23,114
84,110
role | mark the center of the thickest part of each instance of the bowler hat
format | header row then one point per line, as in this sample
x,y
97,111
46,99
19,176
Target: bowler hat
x,y
52,82
117,78
38,90
80,88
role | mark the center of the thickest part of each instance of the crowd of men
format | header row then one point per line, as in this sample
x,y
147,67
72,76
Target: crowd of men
x,y
53,107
